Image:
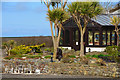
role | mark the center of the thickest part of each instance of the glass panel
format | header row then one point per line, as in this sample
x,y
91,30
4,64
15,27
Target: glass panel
x,y
96,38
61,38
67,38
113,37
104,37
77,36
108,37
90,38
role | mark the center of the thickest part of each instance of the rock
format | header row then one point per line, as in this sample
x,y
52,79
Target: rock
x,y
114,69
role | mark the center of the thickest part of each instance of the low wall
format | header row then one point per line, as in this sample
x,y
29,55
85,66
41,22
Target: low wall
x,y
45,66
110,70
30,40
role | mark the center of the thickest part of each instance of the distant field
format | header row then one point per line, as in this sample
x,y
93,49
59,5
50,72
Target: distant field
x,y
30,40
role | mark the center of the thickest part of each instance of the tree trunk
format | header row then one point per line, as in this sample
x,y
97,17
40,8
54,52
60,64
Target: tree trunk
x,y
82,46
55,49
117,39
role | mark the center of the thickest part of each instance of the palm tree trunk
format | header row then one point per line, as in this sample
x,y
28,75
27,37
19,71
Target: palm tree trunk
x,y
55,49
82,46
117,39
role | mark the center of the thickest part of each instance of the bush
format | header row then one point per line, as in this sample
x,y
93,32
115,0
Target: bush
x,y
22,49
113,51
47,49
38,48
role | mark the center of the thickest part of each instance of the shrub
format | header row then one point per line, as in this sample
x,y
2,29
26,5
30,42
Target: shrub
x,y
8,46
38,47
113,51
22,49
47,49
40,53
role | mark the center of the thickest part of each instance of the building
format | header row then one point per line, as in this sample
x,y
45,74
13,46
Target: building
x,y
99,34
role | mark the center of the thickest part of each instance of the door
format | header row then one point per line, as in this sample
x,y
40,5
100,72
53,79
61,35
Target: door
x,y
76,39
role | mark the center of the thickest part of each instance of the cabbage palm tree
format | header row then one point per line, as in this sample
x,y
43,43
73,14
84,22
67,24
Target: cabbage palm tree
x,y
57,16
54,6
83,12
8,45
116,21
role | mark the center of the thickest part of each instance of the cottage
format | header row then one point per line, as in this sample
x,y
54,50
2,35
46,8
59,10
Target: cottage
x,y
99,34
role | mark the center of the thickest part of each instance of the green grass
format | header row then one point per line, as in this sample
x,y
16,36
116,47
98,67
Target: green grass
x,y
20,56
48,56
33,56
96,56
72,56
9,57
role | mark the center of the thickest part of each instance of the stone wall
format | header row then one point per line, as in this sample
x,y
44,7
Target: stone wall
x,y
30,40
110,70
45,66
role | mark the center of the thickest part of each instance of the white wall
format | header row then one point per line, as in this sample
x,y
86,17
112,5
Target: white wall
x,y
67,47
98,49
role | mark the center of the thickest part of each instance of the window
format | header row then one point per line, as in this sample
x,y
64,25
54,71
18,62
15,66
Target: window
x,y
96,38
104,37
108,37
113,38
67,38
90,38
77,37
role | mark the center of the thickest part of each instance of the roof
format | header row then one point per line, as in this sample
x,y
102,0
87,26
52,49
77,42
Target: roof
x,y
116,12
104,19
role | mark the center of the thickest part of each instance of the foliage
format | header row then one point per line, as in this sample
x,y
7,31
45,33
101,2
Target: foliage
x,y
57,14
8,45
72,56
21,55
48,56
22,49
40,53
47,49
85,9
115,20
82,12
113,51
36,48
97,56
9,57
33,56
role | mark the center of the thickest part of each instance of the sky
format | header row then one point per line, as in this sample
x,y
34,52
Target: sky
x,y
24,19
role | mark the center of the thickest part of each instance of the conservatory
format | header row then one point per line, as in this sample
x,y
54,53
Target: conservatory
x,y
99,34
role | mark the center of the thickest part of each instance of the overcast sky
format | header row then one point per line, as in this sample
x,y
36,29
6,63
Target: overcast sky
x,y
24,19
